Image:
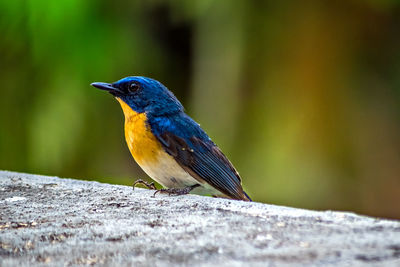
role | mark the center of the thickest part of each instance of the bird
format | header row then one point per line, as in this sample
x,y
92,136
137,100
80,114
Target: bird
x,y
169,145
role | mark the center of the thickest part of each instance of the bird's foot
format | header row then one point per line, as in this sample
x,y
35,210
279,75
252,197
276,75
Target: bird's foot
x,y
176,191
147,184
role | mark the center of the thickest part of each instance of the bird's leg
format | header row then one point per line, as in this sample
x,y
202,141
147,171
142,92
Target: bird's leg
x,y
176,191
147,184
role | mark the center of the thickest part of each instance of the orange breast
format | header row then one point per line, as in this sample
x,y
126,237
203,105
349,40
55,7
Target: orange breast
x,y
142,144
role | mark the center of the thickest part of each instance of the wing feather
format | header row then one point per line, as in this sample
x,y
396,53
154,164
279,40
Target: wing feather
x,y
205,162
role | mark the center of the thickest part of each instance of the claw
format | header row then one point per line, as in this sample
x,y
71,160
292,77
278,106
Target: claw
x,y
147,184
176,191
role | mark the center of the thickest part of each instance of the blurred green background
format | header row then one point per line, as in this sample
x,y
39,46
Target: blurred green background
x,y
302,96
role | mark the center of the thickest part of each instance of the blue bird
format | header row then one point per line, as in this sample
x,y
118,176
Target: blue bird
x,y
169,145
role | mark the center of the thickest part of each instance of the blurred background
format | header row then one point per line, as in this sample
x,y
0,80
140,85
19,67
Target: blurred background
x,y
303,97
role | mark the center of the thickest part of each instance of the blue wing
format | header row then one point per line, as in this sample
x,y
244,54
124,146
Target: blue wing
x,y
183,139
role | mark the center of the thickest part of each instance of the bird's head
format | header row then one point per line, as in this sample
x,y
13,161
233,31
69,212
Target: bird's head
x,y
143,94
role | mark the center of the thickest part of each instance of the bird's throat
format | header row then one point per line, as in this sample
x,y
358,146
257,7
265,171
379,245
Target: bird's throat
x,y
141,142
128,111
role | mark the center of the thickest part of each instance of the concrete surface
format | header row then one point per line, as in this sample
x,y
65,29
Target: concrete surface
x,y
48,221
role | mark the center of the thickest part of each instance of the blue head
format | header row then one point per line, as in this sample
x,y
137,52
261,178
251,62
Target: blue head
x,y
143,95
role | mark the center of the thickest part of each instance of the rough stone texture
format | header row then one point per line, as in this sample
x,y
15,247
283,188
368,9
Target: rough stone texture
x,y
52,221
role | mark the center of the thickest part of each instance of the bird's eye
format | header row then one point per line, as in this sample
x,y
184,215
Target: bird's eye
x,y
133,87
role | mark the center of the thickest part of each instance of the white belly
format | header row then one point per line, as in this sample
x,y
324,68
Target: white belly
x,y
167,172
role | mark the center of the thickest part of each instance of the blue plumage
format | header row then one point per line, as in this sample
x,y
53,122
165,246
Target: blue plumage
x,y
179,135
183,139
151,96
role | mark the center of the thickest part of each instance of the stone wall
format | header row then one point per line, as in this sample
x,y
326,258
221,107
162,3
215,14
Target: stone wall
x,y
52,221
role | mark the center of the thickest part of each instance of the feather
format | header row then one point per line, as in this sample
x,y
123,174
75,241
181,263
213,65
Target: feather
x,y
194,151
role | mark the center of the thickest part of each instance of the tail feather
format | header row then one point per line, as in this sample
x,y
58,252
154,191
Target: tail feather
x,y
248,198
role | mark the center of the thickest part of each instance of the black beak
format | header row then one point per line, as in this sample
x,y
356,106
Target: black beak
x,y
107,87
